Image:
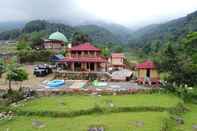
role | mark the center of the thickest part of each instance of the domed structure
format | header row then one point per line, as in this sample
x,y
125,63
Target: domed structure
x,y
58,36
56,42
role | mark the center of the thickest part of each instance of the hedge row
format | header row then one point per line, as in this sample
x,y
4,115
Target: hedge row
x,y
95,110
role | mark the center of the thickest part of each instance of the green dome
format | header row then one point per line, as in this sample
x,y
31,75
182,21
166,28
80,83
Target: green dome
x,y
58,36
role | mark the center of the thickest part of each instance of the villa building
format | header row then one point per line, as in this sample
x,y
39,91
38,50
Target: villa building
x,y
147,73
85,57
56,42
117,60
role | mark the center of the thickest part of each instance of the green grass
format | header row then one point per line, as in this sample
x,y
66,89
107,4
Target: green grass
x,y
76,103
190,119
112,122
119,121
8,48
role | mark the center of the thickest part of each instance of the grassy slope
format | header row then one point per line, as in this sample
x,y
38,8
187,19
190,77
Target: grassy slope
x,y
112,122
190,119
74,103
7,48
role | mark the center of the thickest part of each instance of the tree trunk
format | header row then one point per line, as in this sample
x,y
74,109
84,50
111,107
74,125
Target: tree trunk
x,y
21,83
10,84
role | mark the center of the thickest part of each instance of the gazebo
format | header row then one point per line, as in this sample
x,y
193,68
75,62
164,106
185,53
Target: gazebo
x,y
147,73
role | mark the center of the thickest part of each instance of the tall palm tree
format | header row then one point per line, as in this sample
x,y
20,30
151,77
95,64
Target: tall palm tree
x,y
10,69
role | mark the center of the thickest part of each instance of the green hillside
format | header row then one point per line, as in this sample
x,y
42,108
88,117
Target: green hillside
x,y
162,33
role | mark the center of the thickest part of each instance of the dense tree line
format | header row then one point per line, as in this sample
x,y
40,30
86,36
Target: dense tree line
x,y
180,61
155,36
91,33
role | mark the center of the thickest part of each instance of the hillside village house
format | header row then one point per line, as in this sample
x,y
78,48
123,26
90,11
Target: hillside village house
x,y
117,60
56,42
85,57
147,73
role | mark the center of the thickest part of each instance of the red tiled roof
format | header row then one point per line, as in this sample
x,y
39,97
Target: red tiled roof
x,y
146,65
85,47
84,59
117,55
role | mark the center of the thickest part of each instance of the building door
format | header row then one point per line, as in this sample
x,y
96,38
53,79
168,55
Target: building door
x,y
148,73
92,66
78,66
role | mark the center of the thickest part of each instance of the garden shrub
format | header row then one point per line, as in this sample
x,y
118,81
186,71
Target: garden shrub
x,y
34,56
167,124
13,96
179,109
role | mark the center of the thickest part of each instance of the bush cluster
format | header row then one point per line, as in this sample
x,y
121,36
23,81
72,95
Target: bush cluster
x,y
12,96
187,94
34,55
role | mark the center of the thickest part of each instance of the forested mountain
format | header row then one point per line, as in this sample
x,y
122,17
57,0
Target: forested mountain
x,y
123,33
153,36
5,26
99,34
159,34
96,33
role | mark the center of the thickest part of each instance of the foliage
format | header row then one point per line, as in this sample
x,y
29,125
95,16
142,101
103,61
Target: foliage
x,y
105,52
34,55
10,69
37,39
23,45
119,49
79,38
98,34
13,96
36,25
18,75
172,31
179,61
63,52
2,67
10,35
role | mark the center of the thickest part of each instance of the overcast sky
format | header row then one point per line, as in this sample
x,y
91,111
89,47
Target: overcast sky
x,y
126,12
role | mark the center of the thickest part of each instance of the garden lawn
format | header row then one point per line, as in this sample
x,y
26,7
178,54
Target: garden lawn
x,y
152,121
190,119
79,102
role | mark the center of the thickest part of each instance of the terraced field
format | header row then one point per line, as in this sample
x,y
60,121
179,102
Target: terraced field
x,y
140,112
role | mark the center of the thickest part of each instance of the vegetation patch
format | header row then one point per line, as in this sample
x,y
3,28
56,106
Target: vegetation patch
x,y
111,122
66,103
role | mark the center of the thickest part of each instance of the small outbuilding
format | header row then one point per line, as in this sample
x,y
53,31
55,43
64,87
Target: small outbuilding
x,y
56,42
147,73
117,60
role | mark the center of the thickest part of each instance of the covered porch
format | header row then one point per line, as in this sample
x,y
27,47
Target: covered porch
x,y
87,66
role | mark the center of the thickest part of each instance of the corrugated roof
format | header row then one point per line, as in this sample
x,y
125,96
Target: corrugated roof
x,y
146,65
85,47
117,55
84,59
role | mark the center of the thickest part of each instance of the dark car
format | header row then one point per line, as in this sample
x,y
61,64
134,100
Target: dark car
x,y
42,70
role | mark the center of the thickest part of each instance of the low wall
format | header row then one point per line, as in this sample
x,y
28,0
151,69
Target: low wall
x,y
93,91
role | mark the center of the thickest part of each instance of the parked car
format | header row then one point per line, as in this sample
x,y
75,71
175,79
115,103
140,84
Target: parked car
x,y
42,70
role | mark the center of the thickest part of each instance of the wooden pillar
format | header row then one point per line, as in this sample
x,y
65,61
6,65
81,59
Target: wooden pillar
x,y
72,66
82,53
95,66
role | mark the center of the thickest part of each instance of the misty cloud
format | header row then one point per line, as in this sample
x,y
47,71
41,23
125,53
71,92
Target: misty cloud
x,y
18,10
128,12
